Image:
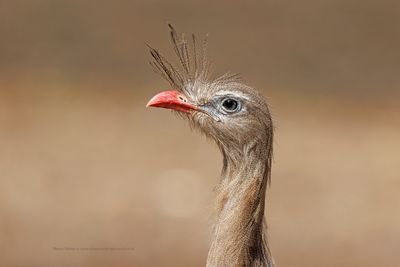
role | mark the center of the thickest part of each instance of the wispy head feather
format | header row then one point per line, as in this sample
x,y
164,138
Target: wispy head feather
x,y
193,64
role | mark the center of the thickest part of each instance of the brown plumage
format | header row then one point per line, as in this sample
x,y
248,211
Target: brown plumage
x,y
237,118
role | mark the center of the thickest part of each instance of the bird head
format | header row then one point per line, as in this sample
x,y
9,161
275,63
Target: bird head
x,y
232,113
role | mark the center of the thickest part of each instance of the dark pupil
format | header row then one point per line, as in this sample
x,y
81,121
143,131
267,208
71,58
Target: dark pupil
x,y
230,104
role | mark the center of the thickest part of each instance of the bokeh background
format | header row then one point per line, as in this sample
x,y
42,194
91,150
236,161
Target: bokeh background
x,y
85,166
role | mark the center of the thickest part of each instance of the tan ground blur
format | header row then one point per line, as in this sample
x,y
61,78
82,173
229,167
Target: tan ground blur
x,y
83,163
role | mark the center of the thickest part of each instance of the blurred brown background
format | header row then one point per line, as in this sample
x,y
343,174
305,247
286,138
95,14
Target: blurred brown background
x,y
83,163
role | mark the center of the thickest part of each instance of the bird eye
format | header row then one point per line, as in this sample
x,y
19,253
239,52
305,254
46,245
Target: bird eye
x,y
230,105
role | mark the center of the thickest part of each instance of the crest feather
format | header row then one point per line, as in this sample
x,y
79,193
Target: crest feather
x,y
193,64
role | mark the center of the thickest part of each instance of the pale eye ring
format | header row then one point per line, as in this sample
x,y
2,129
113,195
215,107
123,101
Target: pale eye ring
x,y
230,105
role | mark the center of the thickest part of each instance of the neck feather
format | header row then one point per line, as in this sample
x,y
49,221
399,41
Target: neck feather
x,y
239,238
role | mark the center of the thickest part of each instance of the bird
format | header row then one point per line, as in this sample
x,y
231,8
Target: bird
x,y
237,117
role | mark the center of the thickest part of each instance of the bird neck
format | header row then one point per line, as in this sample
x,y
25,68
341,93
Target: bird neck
x,y
239,238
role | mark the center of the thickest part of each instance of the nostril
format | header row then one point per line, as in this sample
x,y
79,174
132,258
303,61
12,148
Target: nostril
x,y
182,98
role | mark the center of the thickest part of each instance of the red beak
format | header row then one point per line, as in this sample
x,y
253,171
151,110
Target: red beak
x,y
171,100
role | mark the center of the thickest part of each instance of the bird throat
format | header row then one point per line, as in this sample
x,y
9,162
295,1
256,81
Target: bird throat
x,y
239,238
